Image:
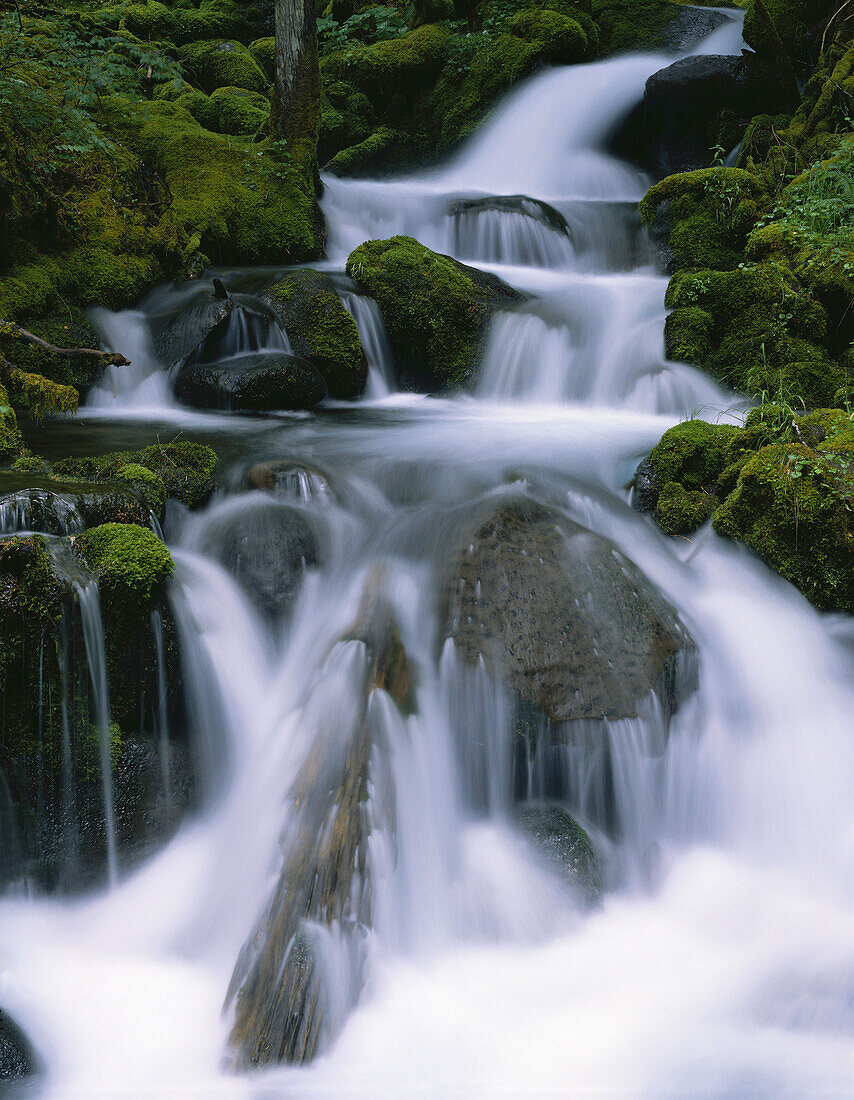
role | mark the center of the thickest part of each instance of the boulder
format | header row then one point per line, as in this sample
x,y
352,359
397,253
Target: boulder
x,y
265,544
560,615
289,1007
294,480
54,507
564,844
175,333
249,326
691,25
255,382
436,309
17,1059
320,329
677,124
512,204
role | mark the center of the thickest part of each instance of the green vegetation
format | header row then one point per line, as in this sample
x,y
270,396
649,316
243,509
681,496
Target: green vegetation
x,y
131,564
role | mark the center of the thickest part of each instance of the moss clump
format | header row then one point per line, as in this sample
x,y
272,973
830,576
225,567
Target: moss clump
x,y
346,119
435,309
679,512
709,212
185,469
383,149
320,329
792,506
794,21
131,564
692,453
239,111
688,334
639,25
38,395
10,436
222,65
264,52
146,482
185,22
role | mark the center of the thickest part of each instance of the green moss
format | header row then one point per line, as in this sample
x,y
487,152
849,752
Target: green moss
x,y
264,52
30,464
679,512
238,111
435,309
320,329
146,482
131,564
10,436
346,119
185,469
688,334
222,65
239,203
382,150
69,327
185,22
793,20
692,453
792,506
632,24
40,396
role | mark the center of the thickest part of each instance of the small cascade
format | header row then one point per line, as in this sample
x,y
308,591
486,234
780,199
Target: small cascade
x,y
39,510
93,635
375,344
498,232
161,710
142,384
247,329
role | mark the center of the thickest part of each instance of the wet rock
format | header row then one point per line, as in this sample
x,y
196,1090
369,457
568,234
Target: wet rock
x,y
565,845
17,1058
294,480
691,25
513,204
289,1007
255,383
645,496
250,326
59,508
678,122
174,334
320,329
560,614
266,545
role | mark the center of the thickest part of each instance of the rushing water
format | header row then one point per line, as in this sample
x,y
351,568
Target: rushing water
x,y
721,960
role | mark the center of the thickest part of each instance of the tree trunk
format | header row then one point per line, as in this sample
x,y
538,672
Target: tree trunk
x,y
296,101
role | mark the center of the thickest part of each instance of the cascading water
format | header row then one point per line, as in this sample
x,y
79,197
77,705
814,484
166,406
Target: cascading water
x,y
720,959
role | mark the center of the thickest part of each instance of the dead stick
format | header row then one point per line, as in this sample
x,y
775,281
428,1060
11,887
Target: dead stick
x,y
9,328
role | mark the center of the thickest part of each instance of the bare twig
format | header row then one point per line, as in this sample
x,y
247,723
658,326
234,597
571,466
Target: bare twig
x,y
9,328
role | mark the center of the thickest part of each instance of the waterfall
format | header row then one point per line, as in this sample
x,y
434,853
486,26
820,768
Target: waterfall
x,y
89,600
361,882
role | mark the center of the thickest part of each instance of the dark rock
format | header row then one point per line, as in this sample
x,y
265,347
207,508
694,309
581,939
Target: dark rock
x,y
645,494
174,334
564,844
677,124
265,544
17,1059
691,25
513,204
286,478
250,326
59,508
558,612
254,383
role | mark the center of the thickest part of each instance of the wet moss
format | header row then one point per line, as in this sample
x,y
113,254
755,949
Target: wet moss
x,y
380,151
792,506
130,562
10,436
692,453
146,482
185,469
435,309
226,64
679,512
688,334
320,329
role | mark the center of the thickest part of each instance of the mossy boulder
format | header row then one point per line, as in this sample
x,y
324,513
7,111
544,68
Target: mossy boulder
x,y
185,22
792,505
130,562
436,310
693,453
382,151
264,52
184,468
346,119
795,21
679,512
320,329
226,64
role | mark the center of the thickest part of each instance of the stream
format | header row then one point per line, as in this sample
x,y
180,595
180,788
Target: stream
x,y
720,958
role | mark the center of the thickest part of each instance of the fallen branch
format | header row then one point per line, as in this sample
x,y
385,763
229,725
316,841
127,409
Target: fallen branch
x,y
9,328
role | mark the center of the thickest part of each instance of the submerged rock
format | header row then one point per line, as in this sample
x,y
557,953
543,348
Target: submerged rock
x,y
288,1006
560,614
294,480
320,329
513,204
565,845
17,1058
255,383
436,310
266,545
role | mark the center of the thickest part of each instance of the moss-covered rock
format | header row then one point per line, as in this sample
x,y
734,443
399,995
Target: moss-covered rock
x,y
792,505
226,64
679,512
131,564
320,329
381,151
185,469
436,310
264,52
346,119
692,453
